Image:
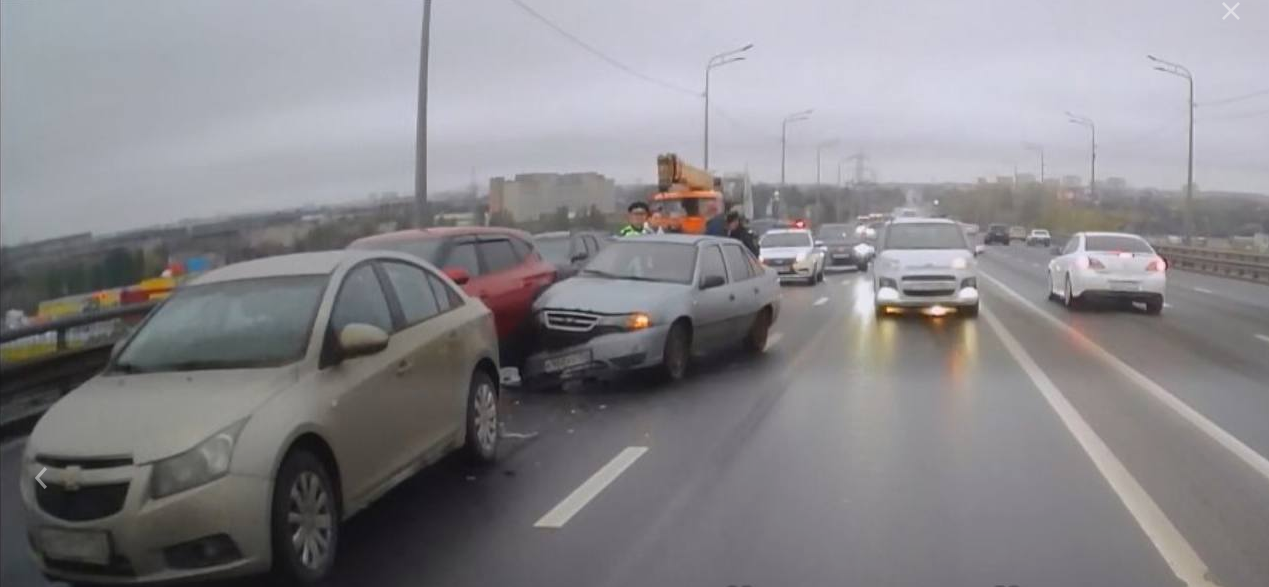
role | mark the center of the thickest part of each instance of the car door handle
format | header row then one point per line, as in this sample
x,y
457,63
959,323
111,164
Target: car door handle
x,y
404,367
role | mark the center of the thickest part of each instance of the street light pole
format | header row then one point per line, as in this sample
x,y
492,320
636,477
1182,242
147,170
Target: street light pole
x,y
784,135
1181,71
718,60
1087,122
422,215
1040,149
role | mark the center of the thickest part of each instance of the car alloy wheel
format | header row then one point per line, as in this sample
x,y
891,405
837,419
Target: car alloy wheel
x,y
309,520
305,517
482,419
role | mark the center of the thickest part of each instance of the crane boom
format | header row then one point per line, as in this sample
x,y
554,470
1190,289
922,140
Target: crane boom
x,y
672,172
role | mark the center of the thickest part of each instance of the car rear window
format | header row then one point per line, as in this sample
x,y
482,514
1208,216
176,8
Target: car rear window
x,y
1115,243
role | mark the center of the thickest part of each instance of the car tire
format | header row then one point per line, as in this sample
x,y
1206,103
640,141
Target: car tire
x,y
969,311
481,444
304,499
677,354
1154,307
756,340
1069,299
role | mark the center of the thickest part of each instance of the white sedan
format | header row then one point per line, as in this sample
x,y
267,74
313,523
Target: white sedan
x,y
1111,266
794,254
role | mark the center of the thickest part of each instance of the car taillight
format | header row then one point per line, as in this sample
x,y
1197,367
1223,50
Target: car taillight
x,y
1090,263
1157,265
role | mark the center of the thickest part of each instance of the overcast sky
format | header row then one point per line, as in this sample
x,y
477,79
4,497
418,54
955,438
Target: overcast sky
x,y
123,113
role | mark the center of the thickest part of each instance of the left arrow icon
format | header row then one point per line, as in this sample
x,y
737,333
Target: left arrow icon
x,y
37,477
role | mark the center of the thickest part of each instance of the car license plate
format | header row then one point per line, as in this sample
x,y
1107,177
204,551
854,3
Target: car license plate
x,y
841,255
563,362
1125,286
86,546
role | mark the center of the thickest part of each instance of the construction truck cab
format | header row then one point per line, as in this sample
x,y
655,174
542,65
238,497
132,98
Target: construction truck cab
x,y
687,198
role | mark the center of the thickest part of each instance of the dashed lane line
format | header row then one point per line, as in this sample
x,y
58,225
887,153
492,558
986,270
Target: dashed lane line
x,y
1262,337
1202,290
820,302
1231,443
561,513
1174,548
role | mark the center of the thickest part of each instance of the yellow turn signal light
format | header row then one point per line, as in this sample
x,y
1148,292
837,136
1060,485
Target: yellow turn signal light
x,y
638,321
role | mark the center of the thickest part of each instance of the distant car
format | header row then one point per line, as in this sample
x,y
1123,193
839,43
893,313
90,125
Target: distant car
x,y
252,412
793,254
925,263
1108,266
653,303
996,234
845,246
1039,237
1017,233
569,251
498,265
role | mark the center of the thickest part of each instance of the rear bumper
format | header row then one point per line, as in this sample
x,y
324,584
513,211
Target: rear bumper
x,y
1119,286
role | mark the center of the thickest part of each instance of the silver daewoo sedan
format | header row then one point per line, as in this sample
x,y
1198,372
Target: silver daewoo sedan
x,y
253,411
653,302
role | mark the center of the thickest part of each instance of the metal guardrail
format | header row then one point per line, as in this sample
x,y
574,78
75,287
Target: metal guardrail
x,y
29,387
1224,262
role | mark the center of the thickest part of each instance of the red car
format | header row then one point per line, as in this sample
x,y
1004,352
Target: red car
x,y
498,265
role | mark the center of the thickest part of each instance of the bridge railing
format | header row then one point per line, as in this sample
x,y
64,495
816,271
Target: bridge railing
x,y
1244,265
45,361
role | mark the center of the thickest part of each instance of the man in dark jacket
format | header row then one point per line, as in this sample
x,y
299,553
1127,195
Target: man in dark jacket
x,y
736,229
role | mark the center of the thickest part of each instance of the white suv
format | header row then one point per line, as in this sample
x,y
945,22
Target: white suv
x,y
928,264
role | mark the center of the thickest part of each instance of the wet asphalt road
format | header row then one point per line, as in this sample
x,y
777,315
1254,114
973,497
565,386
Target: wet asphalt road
x,y
901,451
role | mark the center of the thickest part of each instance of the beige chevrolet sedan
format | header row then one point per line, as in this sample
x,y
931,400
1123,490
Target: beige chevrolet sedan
x,y
252,412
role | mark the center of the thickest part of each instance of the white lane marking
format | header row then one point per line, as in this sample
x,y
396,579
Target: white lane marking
x,y
1176,551
1202,290
820,302
1263,337
560,514
1225,439
520,435
774,339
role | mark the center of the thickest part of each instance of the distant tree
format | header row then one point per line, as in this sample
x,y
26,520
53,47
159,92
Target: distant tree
x,y
502,218
559,220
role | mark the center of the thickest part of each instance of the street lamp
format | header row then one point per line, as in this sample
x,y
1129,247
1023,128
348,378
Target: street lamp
x,y
422,216
1087,122
718,61
784,128
1040,149
1181,71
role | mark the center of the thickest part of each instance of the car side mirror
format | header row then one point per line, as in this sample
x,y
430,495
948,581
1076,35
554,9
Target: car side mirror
x,y
359,340
713,281
458,274
979,249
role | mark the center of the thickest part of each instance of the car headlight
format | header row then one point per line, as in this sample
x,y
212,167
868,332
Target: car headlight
x,y
960,263
862,249
204,463
632,321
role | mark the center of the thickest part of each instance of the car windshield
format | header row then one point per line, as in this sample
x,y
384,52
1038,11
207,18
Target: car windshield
x,y
249,323
427,249
836,232
925,236
1116,244
785,239
554,249
644,261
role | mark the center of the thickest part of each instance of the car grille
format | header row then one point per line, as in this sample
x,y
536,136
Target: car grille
x,y
948,281
779,262
89,502
84,463
569,321
118,567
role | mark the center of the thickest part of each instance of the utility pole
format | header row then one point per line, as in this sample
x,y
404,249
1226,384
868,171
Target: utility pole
x,y
1087,122
422,215
1181,71
784,135
718,61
